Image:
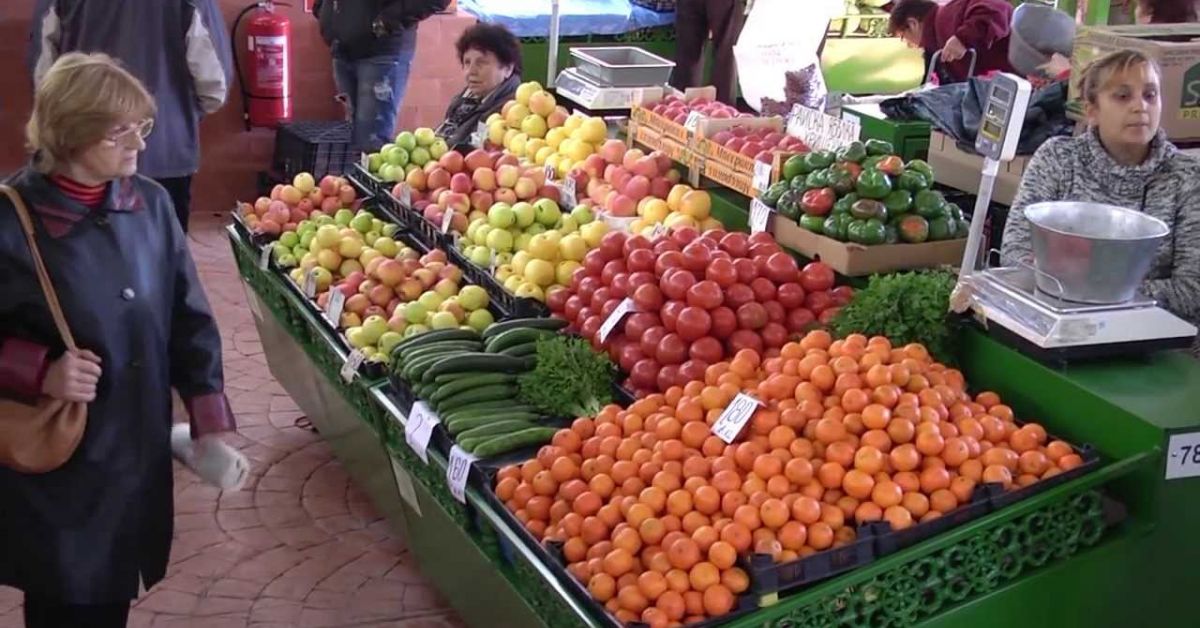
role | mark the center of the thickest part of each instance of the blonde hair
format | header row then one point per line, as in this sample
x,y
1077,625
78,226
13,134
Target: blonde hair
x,y
1097,73
80,99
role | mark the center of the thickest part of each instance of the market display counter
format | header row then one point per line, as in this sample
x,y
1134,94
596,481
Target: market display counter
x,y
1090,551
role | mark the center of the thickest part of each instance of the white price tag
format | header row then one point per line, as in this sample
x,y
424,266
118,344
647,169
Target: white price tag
x,y
762,175
548,170
735,417
610,323
821,131
492,262
264,258
405,195
760,213
569,200
479,137
660,229
693,120
1183,456
457,472
350,368
419,429
310,283
365,161
447,218
333,307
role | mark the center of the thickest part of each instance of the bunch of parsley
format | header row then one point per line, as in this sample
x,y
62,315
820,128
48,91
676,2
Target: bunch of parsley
x,y
570,380
905,307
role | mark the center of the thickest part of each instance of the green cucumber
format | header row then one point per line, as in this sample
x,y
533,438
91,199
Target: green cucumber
x,y
521,351
494,392
552,324
467,383
514,337
489,409
414,369
442,380
429,349
494,429
508,442
436,335
457,426
478,362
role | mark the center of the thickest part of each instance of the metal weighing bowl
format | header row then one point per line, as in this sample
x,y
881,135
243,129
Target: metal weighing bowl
x,y
1090,252
1038,31
622,66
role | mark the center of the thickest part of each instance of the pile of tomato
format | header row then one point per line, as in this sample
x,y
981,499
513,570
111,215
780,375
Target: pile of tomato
x,y
698,299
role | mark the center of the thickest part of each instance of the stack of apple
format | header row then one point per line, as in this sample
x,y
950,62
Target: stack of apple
x,y
759,144
335,246
470,185
683,207
533,127
412,150
290,204
676,109
697,299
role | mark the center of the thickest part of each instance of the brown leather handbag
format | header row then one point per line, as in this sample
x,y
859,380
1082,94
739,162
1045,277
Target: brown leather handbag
x,y
42,437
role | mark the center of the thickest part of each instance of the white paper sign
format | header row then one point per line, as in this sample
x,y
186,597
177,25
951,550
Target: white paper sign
x,y
610,323
1183,456
821,131
492,262
660,229
365,162
405,195
568,194
310,284
457,472
447,218
264,258
735,417
333,307
479,137
548,170
350,368
693,120
760,213
762,175
419,429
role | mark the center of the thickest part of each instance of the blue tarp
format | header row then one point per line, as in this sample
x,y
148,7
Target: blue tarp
x,y
531,18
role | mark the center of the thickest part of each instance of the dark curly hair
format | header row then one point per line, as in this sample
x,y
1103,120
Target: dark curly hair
x,y
904,10
492,38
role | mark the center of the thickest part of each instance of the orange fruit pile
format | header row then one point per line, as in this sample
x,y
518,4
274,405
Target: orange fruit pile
x,y
653,509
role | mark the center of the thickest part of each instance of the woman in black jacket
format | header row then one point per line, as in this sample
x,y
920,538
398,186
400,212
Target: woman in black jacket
x,y
491,62
81,540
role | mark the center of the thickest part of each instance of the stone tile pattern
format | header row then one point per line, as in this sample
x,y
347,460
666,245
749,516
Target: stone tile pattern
x,y
300,546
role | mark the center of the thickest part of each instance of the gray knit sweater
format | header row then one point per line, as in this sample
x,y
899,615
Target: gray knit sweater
x,y
1166,186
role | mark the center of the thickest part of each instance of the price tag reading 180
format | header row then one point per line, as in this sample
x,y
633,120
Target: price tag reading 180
x,y
735,417
759,215
1183,456
610,323
458,470
419,429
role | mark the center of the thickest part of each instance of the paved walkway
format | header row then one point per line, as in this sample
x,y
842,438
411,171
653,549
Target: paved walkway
x,y
300,546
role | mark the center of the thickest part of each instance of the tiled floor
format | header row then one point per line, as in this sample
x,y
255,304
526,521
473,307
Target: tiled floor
x,y
300,546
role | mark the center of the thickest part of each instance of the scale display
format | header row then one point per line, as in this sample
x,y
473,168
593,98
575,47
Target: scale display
x,y
583,91
1003,115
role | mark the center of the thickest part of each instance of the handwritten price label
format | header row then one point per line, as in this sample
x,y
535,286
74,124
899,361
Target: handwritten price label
x,y
333,307
659,230
350,368
762,175
406,195
419,429
735,417
458,470
568,194
693,120
760,213
1183,456
821,131
310,283
610,323
548,170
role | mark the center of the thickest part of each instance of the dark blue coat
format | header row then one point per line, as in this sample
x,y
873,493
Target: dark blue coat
x,y
85,533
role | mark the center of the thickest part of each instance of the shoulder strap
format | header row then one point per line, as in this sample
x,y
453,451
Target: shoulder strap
x,y
60,321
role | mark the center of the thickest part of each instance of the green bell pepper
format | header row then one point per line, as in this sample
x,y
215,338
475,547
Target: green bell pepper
x,y
871,162
842,206
873,184
930,204
854,231
817,160
836,226
920,166
774,193
898,201
794,167
941,229
817,179
840,179
891,234
798,183
815,224
854,151
788,206
912,181
866,208
879,147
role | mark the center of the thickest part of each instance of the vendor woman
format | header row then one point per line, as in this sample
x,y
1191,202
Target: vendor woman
x,y
491,63
1123,159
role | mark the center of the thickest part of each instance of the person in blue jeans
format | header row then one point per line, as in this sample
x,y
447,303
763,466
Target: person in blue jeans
x,y
373,43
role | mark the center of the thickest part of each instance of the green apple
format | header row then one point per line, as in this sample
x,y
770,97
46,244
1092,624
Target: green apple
x,y
536,228
299,251
406,140
374,327
522,241
481,234
568,224
420,156
415,330
472,297
388,341
390,230
327,237
289,239
396,156
438,148
415,313
431,300
501,215
499,240
480,319
481,256
526,214
548,212
286,261
443,320
362,223
342,217
323,220
386,246
582,214
356,337
425,136
374,162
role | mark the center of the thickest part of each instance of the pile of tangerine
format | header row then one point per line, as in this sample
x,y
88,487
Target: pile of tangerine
x,y
652,509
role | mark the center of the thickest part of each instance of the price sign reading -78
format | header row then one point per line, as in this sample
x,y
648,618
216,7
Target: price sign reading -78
x,y
1183,456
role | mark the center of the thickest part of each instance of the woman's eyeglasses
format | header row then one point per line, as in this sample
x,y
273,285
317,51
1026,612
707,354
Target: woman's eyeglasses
x,y
124,134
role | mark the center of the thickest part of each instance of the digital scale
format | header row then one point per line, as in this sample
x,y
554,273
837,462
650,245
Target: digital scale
x,y
1006,299
588,93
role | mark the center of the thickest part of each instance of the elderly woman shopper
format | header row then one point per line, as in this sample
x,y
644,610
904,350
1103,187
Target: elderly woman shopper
x,y
83,539
491,64
1123,159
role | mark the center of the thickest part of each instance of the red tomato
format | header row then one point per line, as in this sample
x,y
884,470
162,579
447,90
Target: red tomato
x,y
713,234
695,257
572,306
590,326
599,298
693,323
722,272
670,313
745,339
649,340
633,243
774,335
648,298
616,343
724,323
790,295
612,245
762,237
705,294
818,302
557,299
642,277
577,277
664,246
752,316
692,370
640,259
608,308
800,320
638,323
816,276
611,269
736,244
763,289
644,373
707,349
738,294
631,354
826,316
671,350
588,287
781,268
670,259
842,294
667,376
707,243
775,312
764,249
620,285
676,282
684,235
746,272
584,314
594,262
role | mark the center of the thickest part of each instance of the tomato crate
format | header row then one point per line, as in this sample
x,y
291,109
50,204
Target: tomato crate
x,y
509,304
854,260
767,577
888,541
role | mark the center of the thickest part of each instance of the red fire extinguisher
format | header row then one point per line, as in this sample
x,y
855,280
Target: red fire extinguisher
x,y
267,84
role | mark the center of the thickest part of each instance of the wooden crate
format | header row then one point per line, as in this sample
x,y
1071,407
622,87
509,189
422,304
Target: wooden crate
x,y
852,260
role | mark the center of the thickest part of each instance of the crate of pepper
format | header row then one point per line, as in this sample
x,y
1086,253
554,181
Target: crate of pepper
x,y
863,210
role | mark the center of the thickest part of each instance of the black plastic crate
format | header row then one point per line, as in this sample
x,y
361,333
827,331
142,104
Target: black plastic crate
x,y
367,181
888,541
510,304
318,147
768,577
1091,460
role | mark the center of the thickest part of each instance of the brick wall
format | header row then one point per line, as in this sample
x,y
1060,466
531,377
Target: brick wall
x,y
231,155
